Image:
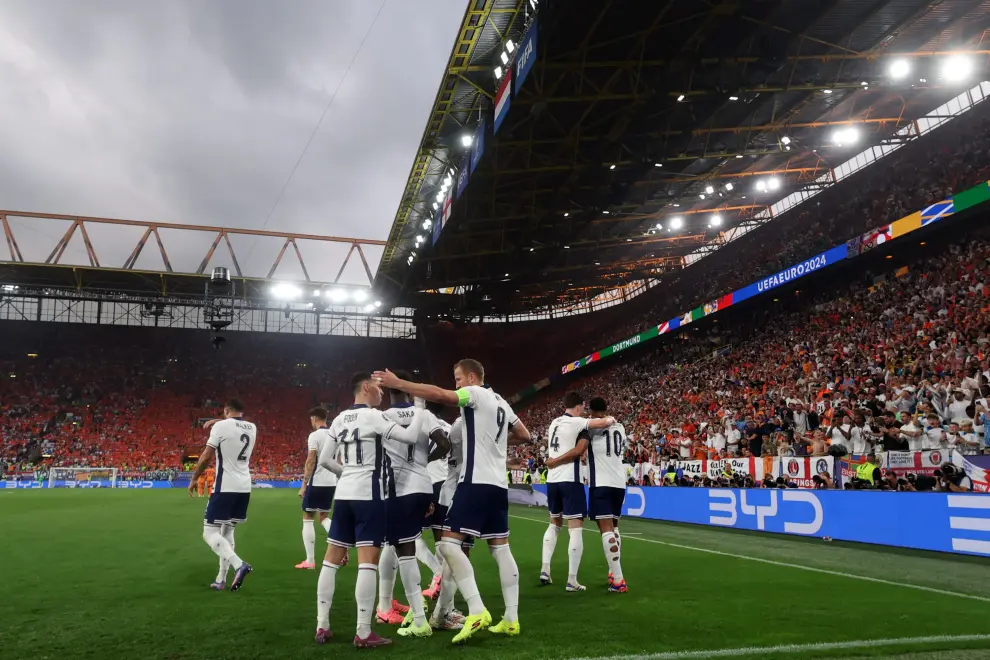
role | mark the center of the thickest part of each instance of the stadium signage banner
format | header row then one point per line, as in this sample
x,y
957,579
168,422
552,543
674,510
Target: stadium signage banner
x,y
526,56
477,146
940,522
502,100
788,275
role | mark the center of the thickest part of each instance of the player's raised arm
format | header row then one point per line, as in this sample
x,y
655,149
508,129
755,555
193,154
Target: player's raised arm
x,y
408,435
429,392
600,423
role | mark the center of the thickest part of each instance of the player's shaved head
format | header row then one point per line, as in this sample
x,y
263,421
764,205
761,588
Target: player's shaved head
x,y
399,395
573,400
235,405
598,405
469,366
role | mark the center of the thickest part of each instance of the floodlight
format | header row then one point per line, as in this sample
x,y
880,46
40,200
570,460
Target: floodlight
x,y
337,295
733,98
774,183
360,295
286,291
436,205
785,140
729,187
845,136
716,220
427,223
957,68
709,190
702,195
420,239
467,140
899,68
498,73
676,222
505,57
611,167
761,185
509,46
680,98
378,303
369,308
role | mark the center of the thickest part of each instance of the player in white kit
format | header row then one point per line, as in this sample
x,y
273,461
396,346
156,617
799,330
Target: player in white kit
x,y
231,443
409,498
356,454
480,507
438,469
318,487
607,489
569,436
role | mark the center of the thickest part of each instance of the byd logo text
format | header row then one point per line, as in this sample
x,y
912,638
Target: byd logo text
x,y
721,501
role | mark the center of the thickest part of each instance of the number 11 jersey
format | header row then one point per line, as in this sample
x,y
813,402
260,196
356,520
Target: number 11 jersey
x,y
356,437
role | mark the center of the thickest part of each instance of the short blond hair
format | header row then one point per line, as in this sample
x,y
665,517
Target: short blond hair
x,y
469,366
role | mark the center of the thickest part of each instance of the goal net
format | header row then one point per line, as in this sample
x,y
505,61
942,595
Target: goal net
x,y
81,477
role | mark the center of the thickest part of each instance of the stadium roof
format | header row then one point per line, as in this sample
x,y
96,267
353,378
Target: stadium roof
x,y
633,111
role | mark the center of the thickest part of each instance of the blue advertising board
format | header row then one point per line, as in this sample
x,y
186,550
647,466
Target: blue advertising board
x,y
129,483
526,57
942,522
806,267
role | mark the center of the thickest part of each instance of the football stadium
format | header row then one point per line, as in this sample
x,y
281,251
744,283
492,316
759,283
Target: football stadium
x,y
674,343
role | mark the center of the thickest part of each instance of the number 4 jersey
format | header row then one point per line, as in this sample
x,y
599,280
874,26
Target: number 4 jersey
x,y
605,452
233,440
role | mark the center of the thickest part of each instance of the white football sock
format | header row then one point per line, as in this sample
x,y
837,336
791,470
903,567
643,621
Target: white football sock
x,y
364,594
324,594
309,540
610,545
575,548
221,546
618,537
325,523
445,603
463,572
227,531
388,564
508,574
411,582
549,545
424,555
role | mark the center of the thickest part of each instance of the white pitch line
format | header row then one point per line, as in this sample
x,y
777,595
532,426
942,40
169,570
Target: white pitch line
x,y
798,648
812,569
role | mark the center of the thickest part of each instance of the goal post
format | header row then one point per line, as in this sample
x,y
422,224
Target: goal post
x,y
82,477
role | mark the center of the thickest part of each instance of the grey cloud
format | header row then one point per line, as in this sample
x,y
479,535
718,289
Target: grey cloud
x,y
196,111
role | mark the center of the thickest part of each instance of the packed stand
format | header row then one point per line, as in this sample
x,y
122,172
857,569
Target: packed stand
x,y
900,364
136,398
946,161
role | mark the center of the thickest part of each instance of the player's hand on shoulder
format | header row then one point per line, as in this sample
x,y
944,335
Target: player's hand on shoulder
x,y
210,422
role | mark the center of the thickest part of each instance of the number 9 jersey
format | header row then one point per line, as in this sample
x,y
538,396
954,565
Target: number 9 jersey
x,y
233,440
487,419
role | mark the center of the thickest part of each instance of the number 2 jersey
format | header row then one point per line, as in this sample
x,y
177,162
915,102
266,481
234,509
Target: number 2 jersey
x,y
487,418
605,452
406,467
233,440
322,477
356,441
565,432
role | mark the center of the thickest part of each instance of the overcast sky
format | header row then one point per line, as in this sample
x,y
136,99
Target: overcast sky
x,y
195,111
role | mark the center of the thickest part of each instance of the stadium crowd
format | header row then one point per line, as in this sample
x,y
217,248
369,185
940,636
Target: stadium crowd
x,y
901,363
135,399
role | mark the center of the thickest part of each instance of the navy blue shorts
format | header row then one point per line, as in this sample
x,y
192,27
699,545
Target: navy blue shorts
x,y
226,508
479,510
406,516
357,523
605,502
438,518
436,491
318,498
567,499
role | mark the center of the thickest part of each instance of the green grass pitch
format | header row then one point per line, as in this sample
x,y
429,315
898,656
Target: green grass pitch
x,y
124,574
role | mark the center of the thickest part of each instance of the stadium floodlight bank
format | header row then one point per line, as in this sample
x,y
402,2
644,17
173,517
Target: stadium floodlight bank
x,y
82,477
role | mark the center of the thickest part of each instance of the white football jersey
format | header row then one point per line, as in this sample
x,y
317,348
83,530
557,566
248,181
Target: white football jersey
x,y
438,469
487,419
405,466
605,452
453,460
564,433
321,476
356,437
233,439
